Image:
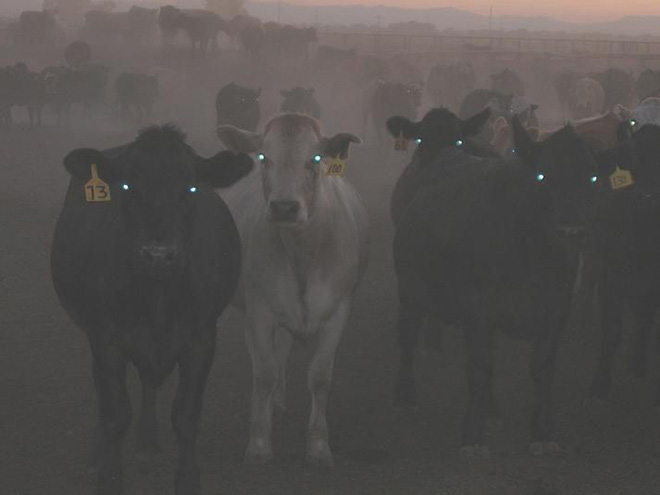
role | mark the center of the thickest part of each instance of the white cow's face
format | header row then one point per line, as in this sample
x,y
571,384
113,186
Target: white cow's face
x,y
290,154
290,167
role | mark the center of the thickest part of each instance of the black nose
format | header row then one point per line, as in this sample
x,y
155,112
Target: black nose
x,y
158,256
284,211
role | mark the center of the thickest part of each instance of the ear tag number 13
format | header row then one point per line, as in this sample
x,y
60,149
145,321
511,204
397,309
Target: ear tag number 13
x,y
400,143
335,167
96,190
621,178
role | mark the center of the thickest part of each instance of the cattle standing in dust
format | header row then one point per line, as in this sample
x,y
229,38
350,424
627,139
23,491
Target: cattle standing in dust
x,y
289,43
648,112
448,85
146,272
301,100
201,26
488,245
135,26
619,87
304,239
507,82
7,96
585,99
626,243
38,28
648,84
238,106
136,94
384,99
563,85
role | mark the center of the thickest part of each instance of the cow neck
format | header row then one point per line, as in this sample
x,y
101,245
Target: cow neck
x,y
158,298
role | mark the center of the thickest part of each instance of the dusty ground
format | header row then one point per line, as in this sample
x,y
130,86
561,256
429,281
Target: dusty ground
x,y
47,405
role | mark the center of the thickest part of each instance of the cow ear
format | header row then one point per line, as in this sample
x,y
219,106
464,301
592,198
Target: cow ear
x,y
473,125
79,164
223,169
237,139
524,144
401,126
338,144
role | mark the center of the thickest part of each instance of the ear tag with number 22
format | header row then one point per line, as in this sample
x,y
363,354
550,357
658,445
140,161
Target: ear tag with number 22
x,y
401,143
335,167
621,178
96,190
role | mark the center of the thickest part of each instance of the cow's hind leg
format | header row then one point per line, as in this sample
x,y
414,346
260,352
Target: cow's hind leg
x,y
194,366
109,368
409,325
260,342
319,381
148,443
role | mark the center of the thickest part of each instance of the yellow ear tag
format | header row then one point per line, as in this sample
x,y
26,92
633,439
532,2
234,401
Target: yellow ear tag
x,y
621,178
401,143
335,167
96,190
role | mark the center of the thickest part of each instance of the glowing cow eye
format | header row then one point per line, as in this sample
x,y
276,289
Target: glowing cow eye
x,y
261,157
317,158
633,122
126,187
513,150
594,179
459,143
418,141
540,177
193,189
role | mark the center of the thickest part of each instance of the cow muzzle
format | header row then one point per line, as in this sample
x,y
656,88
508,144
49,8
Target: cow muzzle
x,y
284,211
158,259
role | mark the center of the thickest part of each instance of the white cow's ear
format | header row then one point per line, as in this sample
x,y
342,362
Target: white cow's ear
x,y
338,144
237,139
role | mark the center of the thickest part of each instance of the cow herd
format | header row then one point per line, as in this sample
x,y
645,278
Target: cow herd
x,y
499,223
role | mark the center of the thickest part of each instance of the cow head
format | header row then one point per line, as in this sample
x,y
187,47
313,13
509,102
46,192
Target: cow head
x,y
440,129
291,151
565,177
157,181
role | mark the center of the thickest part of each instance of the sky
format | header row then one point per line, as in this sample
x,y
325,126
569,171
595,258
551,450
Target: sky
x,y
576,10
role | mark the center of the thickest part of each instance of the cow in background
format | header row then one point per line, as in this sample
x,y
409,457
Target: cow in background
x,y
201,26
144,259
448,85
301,100
383,99
648,84
238,106
619,87
585,99
507,82
648,112
136,94
304,236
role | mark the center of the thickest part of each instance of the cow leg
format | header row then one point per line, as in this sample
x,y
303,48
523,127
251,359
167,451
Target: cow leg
x,y
147,430
643,312
319,381
612,314
410,323
542,368
194,367
109,368
283,343
31,116
478,346
260,342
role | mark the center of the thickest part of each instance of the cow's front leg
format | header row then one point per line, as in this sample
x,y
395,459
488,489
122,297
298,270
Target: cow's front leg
x,y
260,342
283,343
147,430
109,370
319,381
194,366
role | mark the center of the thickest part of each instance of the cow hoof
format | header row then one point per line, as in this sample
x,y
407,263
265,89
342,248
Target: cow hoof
x,y
538,449
474,452
321,459
256,458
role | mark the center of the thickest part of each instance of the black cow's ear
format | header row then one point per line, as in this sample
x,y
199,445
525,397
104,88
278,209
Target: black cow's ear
x,y
398,126
338,144
473,125
79,164
524,144
223,169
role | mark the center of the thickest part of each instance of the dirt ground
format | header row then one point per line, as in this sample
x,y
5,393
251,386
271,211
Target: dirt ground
x,y
47,405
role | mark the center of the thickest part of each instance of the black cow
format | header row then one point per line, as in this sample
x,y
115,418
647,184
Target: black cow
x,y
38,28
252,39
136,94
507,82
447,85
145,274
626,245
385,99
201,26
289,42
619,87
7,96
135,26
301,100
238,106
85,86
488,244
648,84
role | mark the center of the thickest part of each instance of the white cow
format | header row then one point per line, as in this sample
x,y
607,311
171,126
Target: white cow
x,y
648,112
304,237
